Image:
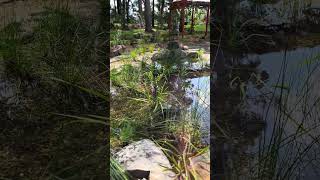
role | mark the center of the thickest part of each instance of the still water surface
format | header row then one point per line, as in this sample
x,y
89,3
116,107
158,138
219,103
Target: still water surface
x,y
293,77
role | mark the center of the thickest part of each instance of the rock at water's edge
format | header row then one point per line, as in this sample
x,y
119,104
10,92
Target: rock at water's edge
x,y
201,165
146,156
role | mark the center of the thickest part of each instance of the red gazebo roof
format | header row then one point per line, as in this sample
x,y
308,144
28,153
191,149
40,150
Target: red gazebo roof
x,y
177,4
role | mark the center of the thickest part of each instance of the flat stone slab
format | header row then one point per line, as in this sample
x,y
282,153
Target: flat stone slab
x,y
145,155
201,165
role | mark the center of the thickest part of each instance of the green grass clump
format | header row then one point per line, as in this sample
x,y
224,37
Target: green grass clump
x,y
116,171
65,44
137,36
13,50
138,111
59,46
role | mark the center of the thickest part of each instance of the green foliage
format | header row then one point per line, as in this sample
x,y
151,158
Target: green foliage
x,y
58,45
158,36
140,82
171,59
136,36
65,44
10,41
151,48
116,38
263,1
116,171
143,50
61,46
179,155
13,50
128,76
127,131
200,52
200,28
143,92
134,54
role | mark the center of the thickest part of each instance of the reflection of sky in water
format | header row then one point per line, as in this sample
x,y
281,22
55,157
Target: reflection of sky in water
x,y
296,73
272,62
200,93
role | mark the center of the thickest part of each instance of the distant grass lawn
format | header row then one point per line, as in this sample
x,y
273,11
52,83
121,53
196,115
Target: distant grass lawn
x,y
198,27
127,37
138,35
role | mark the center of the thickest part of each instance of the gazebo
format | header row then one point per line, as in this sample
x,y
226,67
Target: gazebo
x,y
182,5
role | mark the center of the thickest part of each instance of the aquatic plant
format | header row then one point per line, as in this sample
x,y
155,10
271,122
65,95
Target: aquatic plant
x,y
291,111
142,90
179,155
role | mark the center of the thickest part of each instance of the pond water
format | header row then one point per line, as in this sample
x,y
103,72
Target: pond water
x,y
301,66
192,97
200,94
316,3
258,121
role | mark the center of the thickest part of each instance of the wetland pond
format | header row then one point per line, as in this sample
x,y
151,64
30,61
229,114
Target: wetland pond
x,y
200,94
193,96
271,123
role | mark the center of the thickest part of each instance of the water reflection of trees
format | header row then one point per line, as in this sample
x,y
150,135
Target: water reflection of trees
x,y
235,125
183,99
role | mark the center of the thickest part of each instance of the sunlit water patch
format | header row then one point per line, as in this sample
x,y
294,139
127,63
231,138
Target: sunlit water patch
x,y
293,78
200,94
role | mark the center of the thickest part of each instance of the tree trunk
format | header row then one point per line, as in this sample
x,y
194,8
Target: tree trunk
x,y
140,12
161,12
127,9
192,20
182,20
123,15
147,16
119,6
207,21
221,15
170,17
152,13
115,6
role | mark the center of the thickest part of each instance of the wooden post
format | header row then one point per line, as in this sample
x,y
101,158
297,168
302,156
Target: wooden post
x,y
207,20
170,19
184,4
182,21
192,20
153,13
